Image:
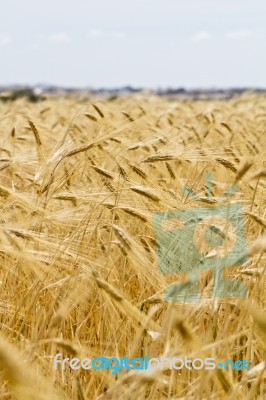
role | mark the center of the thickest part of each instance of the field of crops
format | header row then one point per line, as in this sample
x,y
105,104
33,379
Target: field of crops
x,y
80,183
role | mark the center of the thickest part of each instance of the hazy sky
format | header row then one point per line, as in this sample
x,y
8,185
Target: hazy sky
x,y
151,43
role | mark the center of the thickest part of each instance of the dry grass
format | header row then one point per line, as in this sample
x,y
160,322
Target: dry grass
x,y
79,183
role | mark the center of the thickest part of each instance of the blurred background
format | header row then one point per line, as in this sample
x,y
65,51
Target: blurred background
x,y
140,43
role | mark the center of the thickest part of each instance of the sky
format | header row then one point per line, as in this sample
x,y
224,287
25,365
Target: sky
x,y
141,43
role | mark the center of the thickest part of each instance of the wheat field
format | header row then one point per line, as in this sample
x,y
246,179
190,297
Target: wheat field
x,y
80,181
